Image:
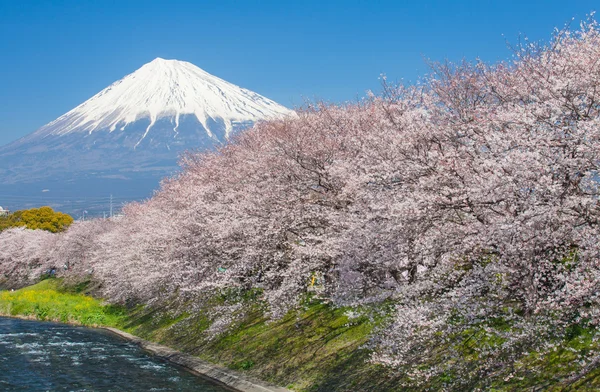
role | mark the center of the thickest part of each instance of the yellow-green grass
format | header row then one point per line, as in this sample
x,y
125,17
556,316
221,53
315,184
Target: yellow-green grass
x,y
49,300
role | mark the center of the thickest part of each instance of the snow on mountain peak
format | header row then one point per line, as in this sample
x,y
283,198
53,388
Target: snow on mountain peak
x,y
166,88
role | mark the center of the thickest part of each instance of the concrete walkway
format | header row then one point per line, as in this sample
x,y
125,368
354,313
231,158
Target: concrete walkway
x,y
229,378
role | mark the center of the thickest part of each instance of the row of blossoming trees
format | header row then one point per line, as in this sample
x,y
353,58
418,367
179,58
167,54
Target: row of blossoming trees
x,y
468,202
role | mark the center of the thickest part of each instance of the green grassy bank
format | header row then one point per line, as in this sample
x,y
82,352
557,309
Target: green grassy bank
x,y
316,348
50,300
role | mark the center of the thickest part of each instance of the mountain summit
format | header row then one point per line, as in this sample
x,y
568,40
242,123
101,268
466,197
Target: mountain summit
x,y
166,89
135,129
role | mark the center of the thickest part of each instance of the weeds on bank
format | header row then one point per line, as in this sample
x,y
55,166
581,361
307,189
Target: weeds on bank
x,y
50,301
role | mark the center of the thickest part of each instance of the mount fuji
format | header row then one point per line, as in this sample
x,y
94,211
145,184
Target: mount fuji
x,y
128,136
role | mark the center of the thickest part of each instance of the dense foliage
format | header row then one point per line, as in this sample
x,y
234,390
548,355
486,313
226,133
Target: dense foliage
x,y
43,218
469,203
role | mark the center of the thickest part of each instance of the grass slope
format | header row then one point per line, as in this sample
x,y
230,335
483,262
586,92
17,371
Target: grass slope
x,y
50,300
316,348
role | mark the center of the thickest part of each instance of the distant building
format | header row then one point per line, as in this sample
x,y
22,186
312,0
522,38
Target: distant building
x,y
4,212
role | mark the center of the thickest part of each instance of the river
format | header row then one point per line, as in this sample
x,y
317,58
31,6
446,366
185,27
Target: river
x,y
38,356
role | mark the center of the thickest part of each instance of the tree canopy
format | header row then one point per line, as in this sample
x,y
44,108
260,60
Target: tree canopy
x,y
43,218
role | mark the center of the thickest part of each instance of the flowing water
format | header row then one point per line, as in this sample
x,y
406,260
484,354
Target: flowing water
x,y
36,356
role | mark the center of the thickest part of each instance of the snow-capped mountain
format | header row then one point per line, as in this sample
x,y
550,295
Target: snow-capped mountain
x,y
165,89
135,128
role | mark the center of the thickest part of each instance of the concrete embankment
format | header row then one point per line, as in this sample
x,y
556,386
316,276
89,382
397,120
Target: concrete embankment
x,y
225,377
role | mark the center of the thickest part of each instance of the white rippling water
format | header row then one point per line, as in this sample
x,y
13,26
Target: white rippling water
x,y
37,356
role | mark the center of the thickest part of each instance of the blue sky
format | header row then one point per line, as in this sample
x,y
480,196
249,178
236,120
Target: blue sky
x,y
56,54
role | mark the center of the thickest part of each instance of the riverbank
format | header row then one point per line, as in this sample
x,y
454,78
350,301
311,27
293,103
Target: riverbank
x,y
226,377
316,348
45,301
50,300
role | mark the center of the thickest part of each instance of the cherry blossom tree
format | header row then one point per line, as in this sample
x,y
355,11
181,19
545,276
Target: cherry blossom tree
x,y
24,256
